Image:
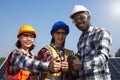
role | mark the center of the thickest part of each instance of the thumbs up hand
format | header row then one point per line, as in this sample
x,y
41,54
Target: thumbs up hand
x,y
76,63
64,64
54,66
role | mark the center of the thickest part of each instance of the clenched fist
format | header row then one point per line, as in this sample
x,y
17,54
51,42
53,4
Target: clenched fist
x,y
54,67
76,63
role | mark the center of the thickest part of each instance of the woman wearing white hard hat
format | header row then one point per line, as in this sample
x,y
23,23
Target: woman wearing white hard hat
x,y
93,47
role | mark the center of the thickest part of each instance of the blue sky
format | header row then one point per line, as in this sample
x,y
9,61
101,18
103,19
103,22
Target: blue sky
x,y
42,14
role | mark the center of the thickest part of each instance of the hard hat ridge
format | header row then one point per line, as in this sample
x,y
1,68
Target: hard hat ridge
x,y
78,8
59,24
25,29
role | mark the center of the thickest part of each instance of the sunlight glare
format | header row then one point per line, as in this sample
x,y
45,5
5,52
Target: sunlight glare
x,y
115,9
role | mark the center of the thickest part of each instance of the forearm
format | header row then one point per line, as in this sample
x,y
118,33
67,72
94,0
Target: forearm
x,y
27,63
96,62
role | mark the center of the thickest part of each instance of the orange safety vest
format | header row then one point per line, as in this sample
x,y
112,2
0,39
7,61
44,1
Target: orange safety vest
x,y
53,51
21,75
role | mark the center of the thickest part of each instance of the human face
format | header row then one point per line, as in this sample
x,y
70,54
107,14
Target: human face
x,y
82,21
59,37
26,40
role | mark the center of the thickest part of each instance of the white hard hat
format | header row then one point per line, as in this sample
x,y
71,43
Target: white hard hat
x,y
78,8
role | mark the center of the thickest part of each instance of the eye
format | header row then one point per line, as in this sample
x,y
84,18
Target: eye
x,y
28,35
63,33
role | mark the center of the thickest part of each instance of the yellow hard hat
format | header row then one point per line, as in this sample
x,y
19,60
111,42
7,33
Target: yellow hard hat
x,y
25,29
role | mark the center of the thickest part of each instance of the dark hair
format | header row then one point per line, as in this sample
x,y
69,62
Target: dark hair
x,y
53,39
18,45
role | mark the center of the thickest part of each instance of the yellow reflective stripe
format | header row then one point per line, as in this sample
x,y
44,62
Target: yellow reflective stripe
x,y
66,52
55,55
46,79
57,74
53,51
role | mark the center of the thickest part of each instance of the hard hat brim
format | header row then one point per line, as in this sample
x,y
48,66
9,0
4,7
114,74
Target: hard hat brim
x,y
32,32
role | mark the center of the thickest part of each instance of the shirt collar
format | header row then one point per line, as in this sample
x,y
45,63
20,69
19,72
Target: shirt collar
x,y
90,29
56,47
24,52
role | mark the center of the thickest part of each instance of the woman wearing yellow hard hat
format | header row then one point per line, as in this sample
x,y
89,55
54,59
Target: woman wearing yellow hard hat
x,y
21,63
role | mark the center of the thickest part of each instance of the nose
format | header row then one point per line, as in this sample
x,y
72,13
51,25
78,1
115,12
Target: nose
x,y
28,38
78,20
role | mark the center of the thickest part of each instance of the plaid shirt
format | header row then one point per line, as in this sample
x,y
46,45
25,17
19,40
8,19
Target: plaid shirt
x,y
20,60
47,55
93,50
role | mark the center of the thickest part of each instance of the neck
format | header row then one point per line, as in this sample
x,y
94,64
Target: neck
x,y
26,50
85,31
58,45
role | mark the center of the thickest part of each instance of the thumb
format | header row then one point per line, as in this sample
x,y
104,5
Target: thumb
x,y
57,59
65,58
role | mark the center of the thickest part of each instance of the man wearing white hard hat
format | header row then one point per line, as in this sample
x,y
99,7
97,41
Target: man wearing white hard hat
x,y
93,47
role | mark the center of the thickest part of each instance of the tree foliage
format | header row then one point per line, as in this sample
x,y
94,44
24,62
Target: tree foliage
x,y
117,54
110,55
1,60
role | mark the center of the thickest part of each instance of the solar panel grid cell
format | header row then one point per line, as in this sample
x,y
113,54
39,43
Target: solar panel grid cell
x,y
114,65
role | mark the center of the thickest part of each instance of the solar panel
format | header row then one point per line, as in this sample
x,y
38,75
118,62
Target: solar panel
x,y
114,65
2,69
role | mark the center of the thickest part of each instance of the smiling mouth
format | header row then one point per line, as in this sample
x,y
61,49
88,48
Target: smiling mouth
x,y
81,26
28,43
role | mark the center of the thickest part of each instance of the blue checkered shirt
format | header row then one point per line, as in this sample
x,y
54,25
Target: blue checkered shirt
x,y
93,51
20,60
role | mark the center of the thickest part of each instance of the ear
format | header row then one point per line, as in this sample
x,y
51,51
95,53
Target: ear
x,y
89,17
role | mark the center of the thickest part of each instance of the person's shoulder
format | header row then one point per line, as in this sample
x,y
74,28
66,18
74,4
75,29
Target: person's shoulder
x,y
47,47
69,51
101,29
17,50
44,49
14,52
